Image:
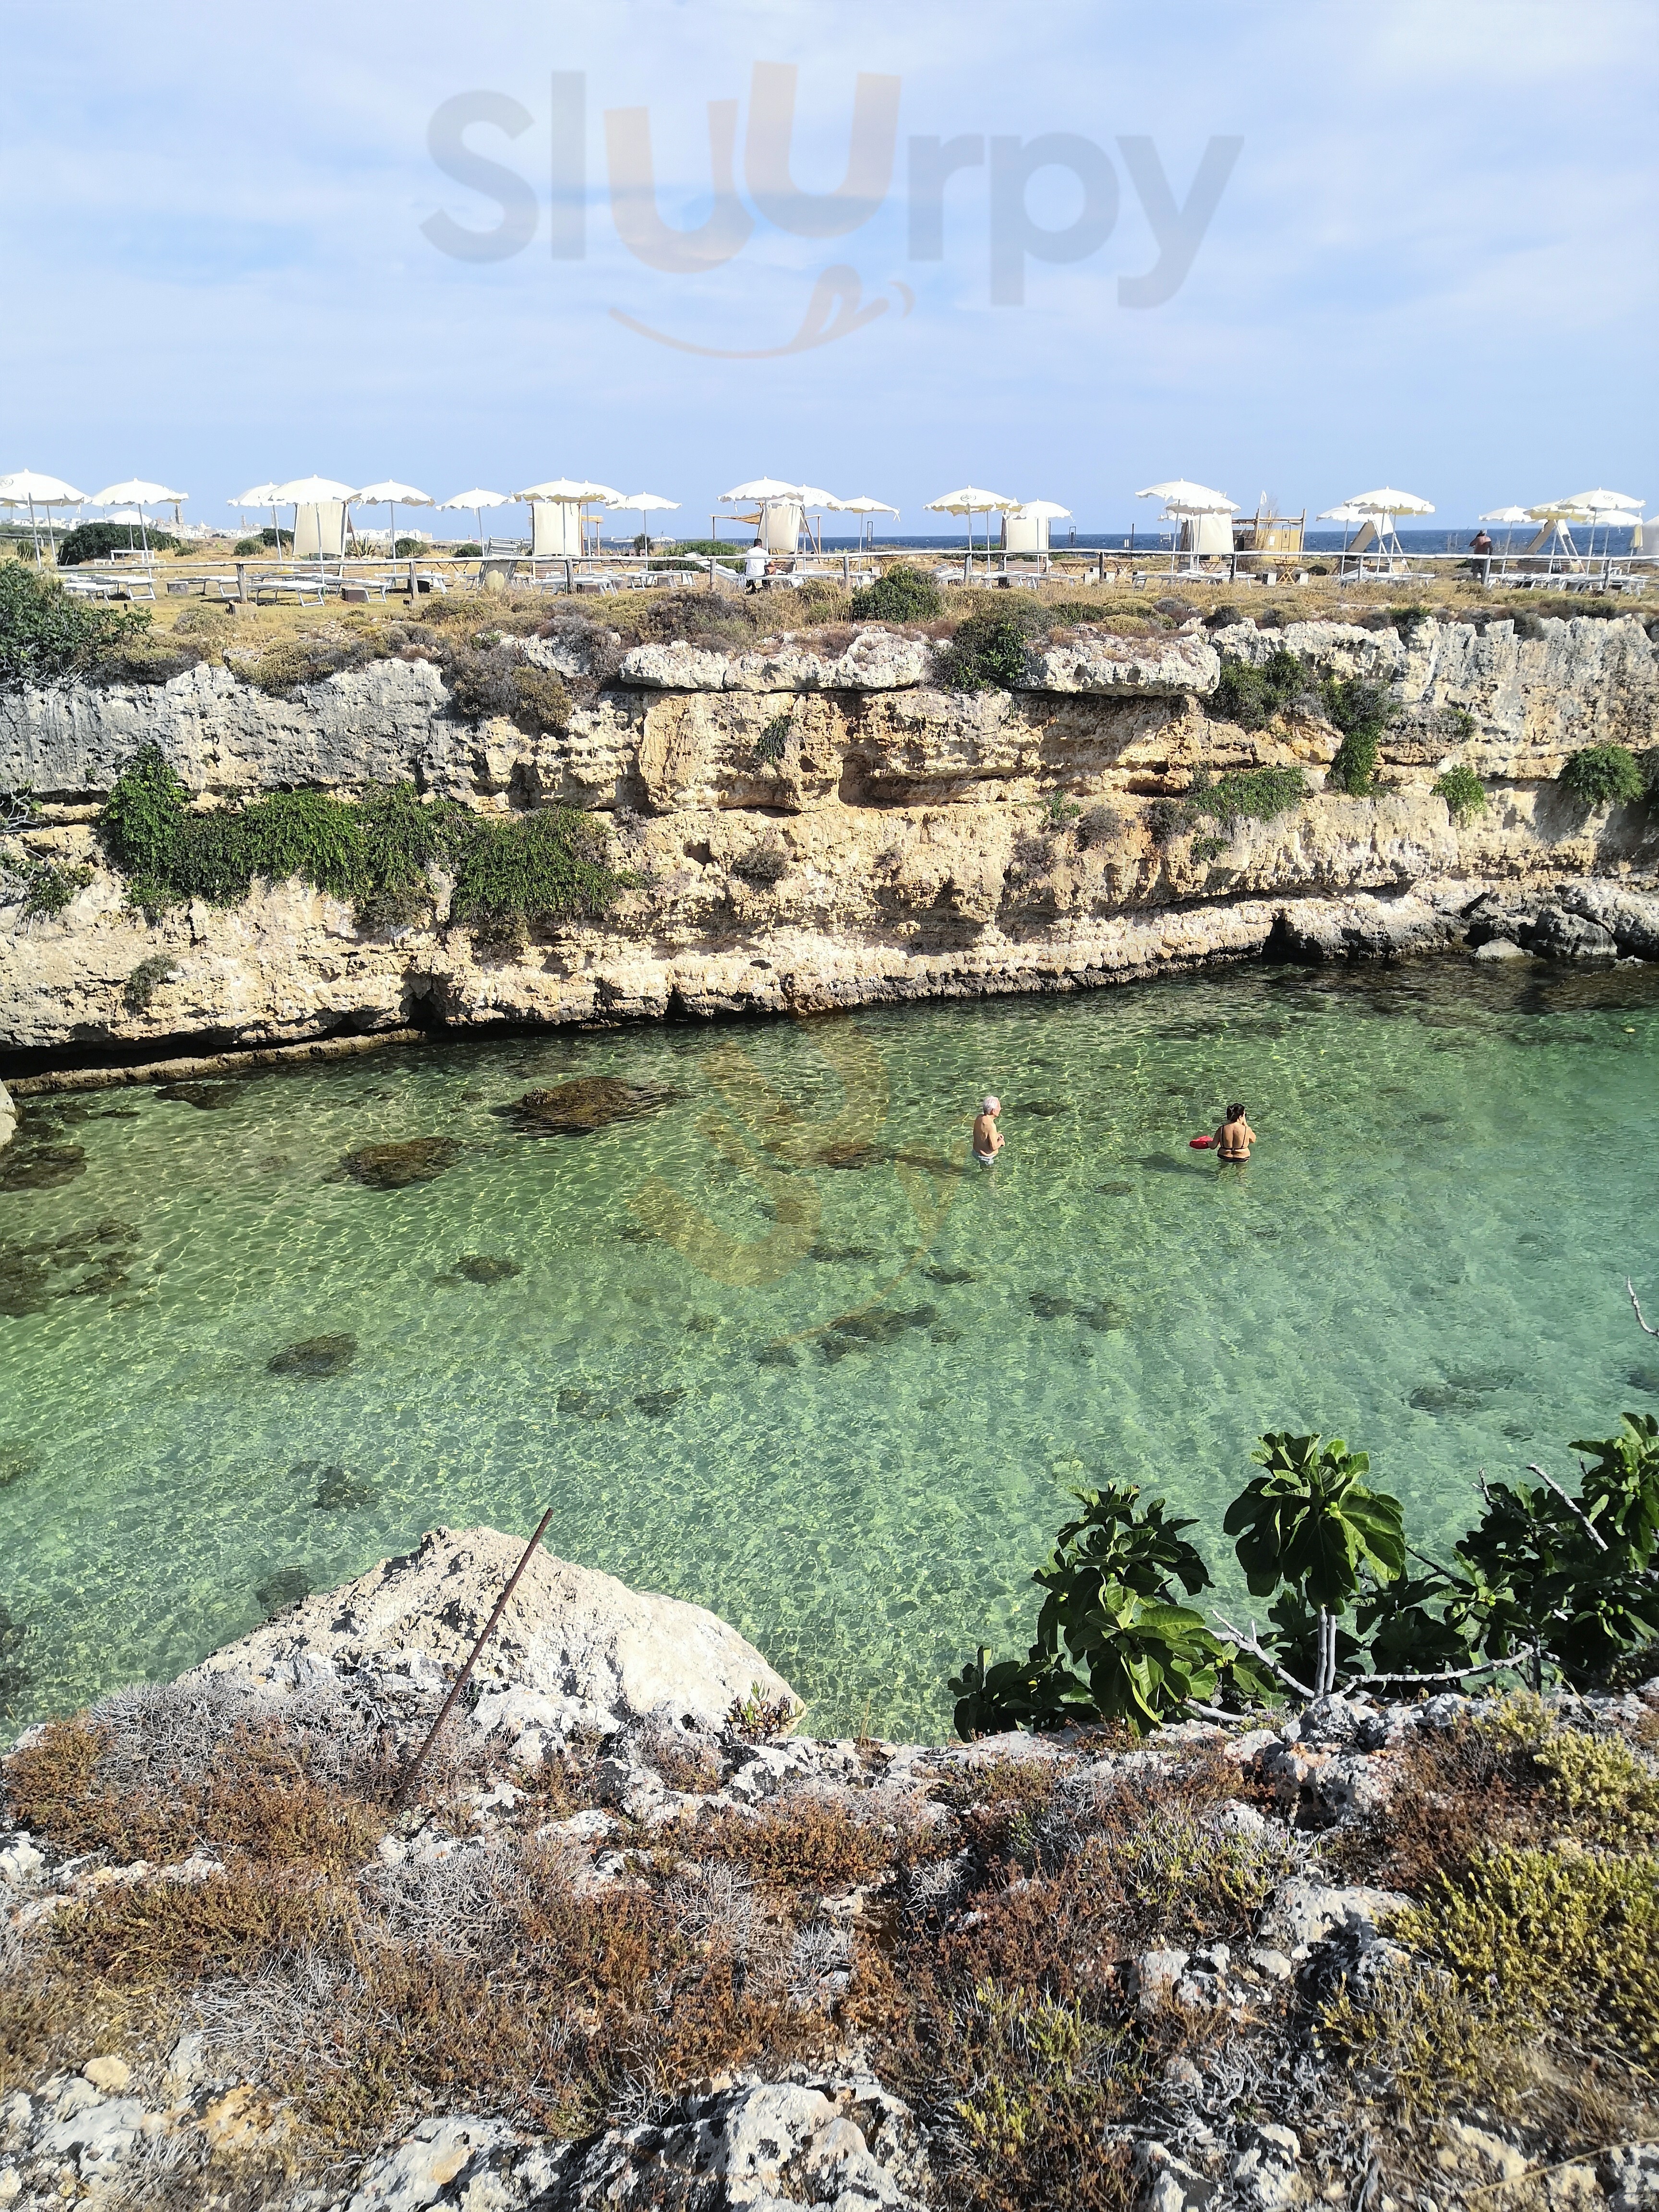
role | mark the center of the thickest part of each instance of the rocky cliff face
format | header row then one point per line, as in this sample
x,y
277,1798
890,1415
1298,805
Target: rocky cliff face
x,y
820,823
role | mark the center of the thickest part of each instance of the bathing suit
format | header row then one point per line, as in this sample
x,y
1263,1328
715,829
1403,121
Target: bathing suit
x,y
985,1159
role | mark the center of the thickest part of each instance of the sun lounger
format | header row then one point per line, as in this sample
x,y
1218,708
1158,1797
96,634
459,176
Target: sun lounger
x,y
297,589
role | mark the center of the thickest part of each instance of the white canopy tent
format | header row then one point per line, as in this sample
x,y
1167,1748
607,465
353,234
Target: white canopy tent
x,y
1203,517
137,495
27,488
1025,527
556,515
778,510
474,502
646,503
320,507
969,501
394,496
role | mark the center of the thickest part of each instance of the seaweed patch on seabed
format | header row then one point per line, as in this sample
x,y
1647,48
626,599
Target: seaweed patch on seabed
x,y
868,1332
395,1167
207,1098
86,1263
576,1110
35,1159
16,1461
283,1587
487,1268
336,1490
314,1356
13,1673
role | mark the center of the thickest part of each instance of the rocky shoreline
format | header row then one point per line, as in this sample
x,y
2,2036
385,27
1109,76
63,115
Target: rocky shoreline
x,y
628,1946
817,824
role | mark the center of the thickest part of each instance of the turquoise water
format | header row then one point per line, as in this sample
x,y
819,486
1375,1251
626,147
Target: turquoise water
x,y
1427,1256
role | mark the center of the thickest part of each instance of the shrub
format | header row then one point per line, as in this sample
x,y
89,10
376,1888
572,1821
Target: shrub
x,y
1362,712
773,743
814,1843
902,594
765,862
139,987
1603,775
988,652
1060,812
309,657
403,839
1250,695
246,546
1648,762
1256,794
465,551
1539,1937
1099,825
1462,791
45,634
45,887
93,541
492,679
540,869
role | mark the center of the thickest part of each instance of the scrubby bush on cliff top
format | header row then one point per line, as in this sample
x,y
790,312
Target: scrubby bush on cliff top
x,y
903,594
536,869
46,635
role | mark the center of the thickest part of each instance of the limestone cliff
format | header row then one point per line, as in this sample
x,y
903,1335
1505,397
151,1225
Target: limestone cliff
x,y
818,823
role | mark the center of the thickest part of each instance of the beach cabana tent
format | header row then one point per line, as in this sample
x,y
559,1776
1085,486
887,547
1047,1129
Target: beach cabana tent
x,y
1025,527
27,488
1205,518
137,495
557,529
779,509
320,516
969,501
393,496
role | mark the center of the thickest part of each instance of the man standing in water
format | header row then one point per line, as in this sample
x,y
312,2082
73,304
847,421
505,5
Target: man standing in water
x,y
988,1139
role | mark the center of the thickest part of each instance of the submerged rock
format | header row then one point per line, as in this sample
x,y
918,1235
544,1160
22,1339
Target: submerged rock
x,y
572,1649
16,1462
336,1490
33,1162
284,1587
486,1267
1049,1305
866,1332
937,1273
395,1167
208,1098
593,1101
658,1403
776,1355
315,1355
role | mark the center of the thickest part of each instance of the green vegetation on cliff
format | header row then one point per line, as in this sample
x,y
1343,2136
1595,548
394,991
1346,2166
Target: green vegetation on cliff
x,y
529,871
45,634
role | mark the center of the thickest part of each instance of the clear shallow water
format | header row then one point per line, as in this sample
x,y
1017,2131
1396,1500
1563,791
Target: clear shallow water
x,y
1427,1254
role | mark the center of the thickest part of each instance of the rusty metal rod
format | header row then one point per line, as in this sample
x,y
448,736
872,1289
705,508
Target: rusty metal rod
x,y
414,1766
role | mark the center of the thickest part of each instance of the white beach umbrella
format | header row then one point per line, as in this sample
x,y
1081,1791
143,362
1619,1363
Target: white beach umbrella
x,y
136,493
1182,496
1388,503
1040,510
394,496
28,488
766,489
866,509
312,491
262,495
971,500
1511,515
1605,502
646,503
475,501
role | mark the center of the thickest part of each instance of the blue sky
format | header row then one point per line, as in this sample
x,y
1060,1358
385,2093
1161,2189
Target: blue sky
x,y
1430,262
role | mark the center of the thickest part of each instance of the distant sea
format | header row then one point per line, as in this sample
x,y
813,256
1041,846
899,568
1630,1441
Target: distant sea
x,y
1153,542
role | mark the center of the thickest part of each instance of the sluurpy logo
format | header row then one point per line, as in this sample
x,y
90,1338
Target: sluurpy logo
x,y
837,306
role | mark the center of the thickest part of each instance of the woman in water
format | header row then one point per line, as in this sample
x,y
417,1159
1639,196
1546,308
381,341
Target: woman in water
x,y
1233,1139
988,1139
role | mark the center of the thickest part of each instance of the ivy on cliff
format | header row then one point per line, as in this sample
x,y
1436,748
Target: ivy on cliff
x,y
377,853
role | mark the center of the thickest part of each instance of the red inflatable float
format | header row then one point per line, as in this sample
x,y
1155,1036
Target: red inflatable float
x,y
1201,1143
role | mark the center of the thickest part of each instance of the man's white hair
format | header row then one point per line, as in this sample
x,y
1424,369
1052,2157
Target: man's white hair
x,y
991,1106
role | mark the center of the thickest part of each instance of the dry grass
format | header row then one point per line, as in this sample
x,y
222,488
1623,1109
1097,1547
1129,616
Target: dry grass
x,y
813,1844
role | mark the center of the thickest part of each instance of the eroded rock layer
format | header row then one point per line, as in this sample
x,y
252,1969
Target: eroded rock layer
x,y
819,823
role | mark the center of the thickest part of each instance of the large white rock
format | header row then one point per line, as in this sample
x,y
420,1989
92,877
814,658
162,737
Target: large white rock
x,y
573,1649
8,1118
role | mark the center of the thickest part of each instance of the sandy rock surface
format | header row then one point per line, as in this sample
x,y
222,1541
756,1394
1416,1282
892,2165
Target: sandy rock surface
x,y
573,1650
